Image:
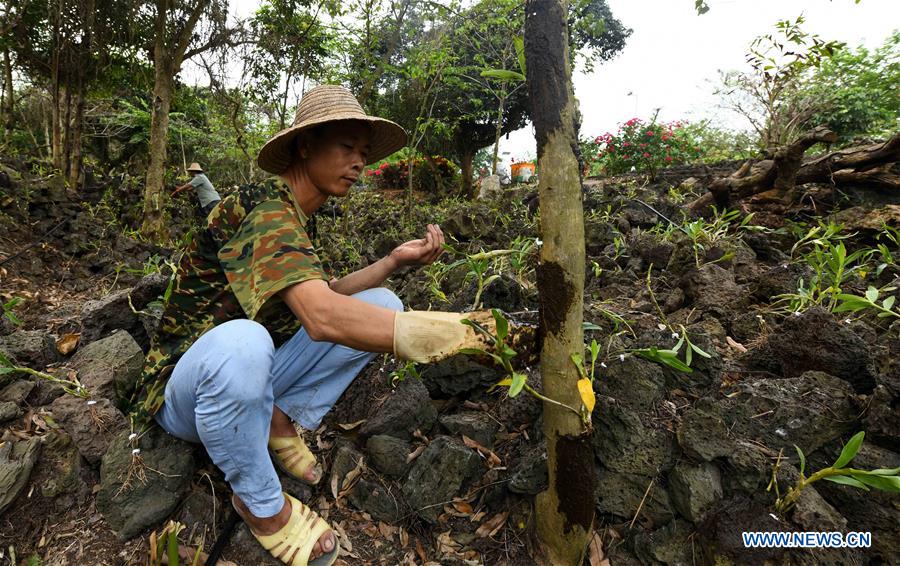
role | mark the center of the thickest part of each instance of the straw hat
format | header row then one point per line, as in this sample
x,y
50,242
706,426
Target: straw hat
x,y
322,104
195,167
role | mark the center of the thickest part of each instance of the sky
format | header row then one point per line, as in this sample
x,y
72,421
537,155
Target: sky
x,y
673,57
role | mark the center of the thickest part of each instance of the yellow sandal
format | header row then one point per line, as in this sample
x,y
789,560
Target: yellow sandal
x,y
294,458
293,544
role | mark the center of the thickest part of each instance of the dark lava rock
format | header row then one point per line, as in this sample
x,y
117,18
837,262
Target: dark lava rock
x,y
110,367
9,411
883,417
669,544
721,532
504,293
626,443
712,289
374,499
815,340
113,312
529,474
408,409
633,382
652,250
477,426
33,348
809,411
91,426
620,495
388,454
130,503
469,222
694,489
457,375
346,458
60,473
17,391
778,280
17,458
438,475
102,316
703,434
597,235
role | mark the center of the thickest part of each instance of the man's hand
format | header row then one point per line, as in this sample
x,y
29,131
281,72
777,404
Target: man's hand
x,y
420,252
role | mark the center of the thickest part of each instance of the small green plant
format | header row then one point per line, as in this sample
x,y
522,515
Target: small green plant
x,y
8,307
883,479
165,548
705,235
825,233
669,357
435,273
73,387
854,303
405,371
832,268
503,355
892,235
478,265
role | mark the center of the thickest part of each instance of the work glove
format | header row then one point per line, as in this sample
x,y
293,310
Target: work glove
x,y
429,336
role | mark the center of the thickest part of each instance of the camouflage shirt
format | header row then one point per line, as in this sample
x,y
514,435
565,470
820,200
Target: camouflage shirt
x,y
255,244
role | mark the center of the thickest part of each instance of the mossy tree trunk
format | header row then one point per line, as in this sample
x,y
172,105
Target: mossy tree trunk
x,y
170,49
565,512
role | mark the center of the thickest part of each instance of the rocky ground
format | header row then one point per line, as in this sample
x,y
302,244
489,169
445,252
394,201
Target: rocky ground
x,y
434,467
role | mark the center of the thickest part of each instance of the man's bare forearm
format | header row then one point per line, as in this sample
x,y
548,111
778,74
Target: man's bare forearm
x,y
332,317
366,278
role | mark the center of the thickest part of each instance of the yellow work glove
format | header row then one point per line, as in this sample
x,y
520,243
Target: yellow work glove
x,y
428,336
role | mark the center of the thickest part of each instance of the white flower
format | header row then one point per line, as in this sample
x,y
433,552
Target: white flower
x,y
675,335
603,364
538,242
132,436
796,313
136,451
848,321
621,357
92,402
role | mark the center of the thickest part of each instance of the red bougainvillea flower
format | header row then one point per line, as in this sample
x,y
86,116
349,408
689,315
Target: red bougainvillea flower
x,y
646,154
626,144
668,158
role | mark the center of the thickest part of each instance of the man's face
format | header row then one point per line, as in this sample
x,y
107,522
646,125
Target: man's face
x,y
336,158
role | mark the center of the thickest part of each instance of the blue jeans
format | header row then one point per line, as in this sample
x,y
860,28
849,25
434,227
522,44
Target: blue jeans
x,y
223,388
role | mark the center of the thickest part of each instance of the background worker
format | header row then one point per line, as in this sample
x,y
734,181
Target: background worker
x,y
206,193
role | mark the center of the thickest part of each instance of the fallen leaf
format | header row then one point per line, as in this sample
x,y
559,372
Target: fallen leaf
x,y
415,453
446,545
420,550
351,478
68,343
596,556
351,426
404,538
492,525
735,344
387,531
462,507
491,459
